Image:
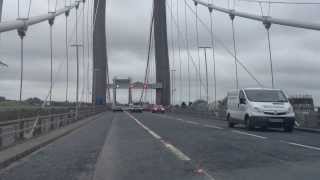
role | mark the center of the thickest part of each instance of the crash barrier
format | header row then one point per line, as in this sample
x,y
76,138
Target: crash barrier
x,y
20,130
219,115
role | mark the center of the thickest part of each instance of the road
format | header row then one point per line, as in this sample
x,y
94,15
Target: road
x,y
119,146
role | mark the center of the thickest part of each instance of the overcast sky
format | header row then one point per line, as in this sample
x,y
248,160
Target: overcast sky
x,y
295,51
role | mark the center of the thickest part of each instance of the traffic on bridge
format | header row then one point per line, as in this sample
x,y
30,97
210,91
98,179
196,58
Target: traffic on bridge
x,y
159,90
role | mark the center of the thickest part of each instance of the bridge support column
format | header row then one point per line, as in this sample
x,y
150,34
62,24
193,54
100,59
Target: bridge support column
x,y
161,52
100,60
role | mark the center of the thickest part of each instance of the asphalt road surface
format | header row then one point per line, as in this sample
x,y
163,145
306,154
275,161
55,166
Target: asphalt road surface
x,y
138,146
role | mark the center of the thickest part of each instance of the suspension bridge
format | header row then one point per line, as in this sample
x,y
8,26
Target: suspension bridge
x,y
88,141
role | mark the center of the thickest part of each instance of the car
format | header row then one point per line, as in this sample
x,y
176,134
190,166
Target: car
x,y
158,109
135,108
116,108
260,107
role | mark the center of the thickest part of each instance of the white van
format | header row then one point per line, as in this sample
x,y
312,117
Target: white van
x,y
260,107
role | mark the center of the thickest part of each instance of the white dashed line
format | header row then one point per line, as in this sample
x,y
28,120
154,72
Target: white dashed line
x,y
193,123
176,151
180,155
155,135
303,146
253,135
211,126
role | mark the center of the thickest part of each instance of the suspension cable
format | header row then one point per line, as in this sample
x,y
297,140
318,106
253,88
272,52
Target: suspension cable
x,y
22,34
267,26
214,58
189,54
95,14
18,9
77,54
88,48
56,5
198,50
187,46
29,9
51,22
179,51
173,57
283,2
83,52
234,50
67,55
228,51
148,56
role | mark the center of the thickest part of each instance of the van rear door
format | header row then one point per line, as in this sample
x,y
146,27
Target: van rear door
x,y
242,106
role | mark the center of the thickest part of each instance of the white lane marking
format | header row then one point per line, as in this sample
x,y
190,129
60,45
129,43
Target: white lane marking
x,y
176,151
192,122
155,135
211,126
179,154
303,146
248,134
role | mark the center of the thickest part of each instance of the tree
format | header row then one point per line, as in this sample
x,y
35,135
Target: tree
x,y
34,101
2,98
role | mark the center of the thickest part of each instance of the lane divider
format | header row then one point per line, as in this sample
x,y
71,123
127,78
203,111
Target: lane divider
x,y
180,155
303,146
212,126
192,122
248,134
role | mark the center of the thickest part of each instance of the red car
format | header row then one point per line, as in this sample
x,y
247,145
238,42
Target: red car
x,y
158,109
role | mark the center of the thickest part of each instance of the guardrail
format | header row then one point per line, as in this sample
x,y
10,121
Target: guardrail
x,y
15,131
203,114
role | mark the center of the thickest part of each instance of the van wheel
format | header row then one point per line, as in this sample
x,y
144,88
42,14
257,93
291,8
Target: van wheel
x,y
249,124
230,124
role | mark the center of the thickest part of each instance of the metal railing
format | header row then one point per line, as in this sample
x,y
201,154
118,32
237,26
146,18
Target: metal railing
x,y
203,114
16,131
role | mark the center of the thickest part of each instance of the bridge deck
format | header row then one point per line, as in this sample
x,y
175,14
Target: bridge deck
x,y
151,146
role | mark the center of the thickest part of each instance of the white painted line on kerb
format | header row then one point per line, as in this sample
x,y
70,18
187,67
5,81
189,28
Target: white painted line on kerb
x,y
303,146
253,135
179,154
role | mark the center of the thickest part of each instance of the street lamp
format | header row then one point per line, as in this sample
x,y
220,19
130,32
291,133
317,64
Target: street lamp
x,y
206,62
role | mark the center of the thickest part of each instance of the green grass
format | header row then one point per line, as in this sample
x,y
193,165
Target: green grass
x,y
9,105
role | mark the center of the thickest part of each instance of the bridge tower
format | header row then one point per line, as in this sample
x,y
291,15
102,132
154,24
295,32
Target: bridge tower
x,y
161,52
100,61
